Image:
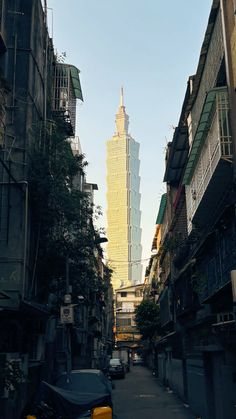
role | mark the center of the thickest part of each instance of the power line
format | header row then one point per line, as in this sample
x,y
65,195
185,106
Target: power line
x,y
125,261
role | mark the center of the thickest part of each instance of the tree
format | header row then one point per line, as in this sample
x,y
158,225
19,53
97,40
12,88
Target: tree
x,y
62,220
147,317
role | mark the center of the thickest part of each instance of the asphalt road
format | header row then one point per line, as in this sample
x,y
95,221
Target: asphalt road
x,y
140,396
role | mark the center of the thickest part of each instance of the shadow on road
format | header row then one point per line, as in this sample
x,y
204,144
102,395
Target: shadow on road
x,y
141,396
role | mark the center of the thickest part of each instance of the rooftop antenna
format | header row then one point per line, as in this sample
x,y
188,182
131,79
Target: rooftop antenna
x,y
45,13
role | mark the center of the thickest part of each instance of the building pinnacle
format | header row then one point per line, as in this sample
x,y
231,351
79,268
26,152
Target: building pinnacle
x,y
121,96
122,119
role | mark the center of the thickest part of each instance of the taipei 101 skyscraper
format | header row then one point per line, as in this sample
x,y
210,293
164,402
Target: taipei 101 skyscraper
x,y
123,204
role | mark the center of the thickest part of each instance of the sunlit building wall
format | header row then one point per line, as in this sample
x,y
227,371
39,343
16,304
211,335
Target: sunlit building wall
x,y
123,204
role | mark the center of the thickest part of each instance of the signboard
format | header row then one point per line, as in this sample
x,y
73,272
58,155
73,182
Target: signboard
x,y
127,337
67,314
126,329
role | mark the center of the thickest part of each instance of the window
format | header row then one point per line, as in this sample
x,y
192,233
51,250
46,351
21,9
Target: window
x,y
115,362
123,322
123,294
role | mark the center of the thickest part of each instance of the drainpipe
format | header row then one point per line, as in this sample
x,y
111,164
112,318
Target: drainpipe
x,y
233,284
229,77
14,79
25,236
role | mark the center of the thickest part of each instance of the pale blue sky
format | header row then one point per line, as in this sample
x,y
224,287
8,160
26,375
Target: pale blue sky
x,y
150,47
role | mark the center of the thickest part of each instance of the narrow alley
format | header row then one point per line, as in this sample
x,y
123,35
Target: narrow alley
x,y
140,396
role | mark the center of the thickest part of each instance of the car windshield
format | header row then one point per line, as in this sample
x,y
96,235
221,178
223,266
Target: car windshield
x,y
115,362
84,382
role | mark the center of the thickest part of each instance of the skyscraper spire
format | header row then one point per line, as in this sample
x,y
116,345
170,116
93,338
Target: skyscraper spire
x,y
122,119
121,96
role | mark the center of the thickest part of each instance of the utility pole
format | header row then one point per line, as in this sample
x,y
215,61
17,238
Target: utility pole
x,y
67,319
67,276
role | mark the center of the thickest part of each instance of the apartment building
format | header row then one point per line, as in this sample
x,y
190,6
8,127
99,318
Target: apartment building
x,y
197,252
126,301
37,116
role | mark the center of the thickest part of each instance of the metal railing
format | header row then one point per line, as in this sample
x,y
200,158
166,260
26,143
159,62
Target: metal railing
x,y
217,146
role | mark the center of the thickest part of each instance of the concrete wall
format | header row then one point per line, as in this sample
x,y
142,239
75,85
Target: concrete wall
x,y
228,395
176,380
168,369
197,387
26,31
162,367
170,372
210,382
224,378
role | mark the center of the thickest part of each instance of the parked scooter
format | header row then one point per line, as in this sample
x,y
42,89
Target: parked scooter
x,y
43,411
56,403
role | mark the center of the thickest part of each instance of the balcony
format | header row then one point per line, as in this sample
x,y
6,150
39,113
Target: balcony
x,y
209,169
185,294
66,89
214,279
165,270
165,301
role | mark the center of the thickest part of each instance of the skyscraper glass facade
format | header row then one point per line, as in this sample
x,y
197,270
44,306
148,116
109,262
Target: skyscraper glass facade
x,y
123,204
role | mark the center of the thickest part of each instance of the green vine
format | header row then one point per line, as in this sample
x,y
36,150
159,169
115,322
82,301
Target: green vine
x,y
11,375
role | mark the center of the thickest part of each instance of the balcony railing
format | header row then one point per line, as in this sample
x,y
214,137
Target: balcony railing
x,y
66,89
165,301
212,146
215,271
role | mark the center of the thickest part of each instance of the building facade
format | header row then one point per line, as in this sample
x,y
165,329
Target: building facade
x,y
126,301
196,352
123,204
37,125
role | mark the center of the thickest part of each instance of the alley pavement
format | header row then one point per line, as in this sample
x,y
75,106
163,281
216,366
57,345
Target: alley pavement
x,y
141,396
